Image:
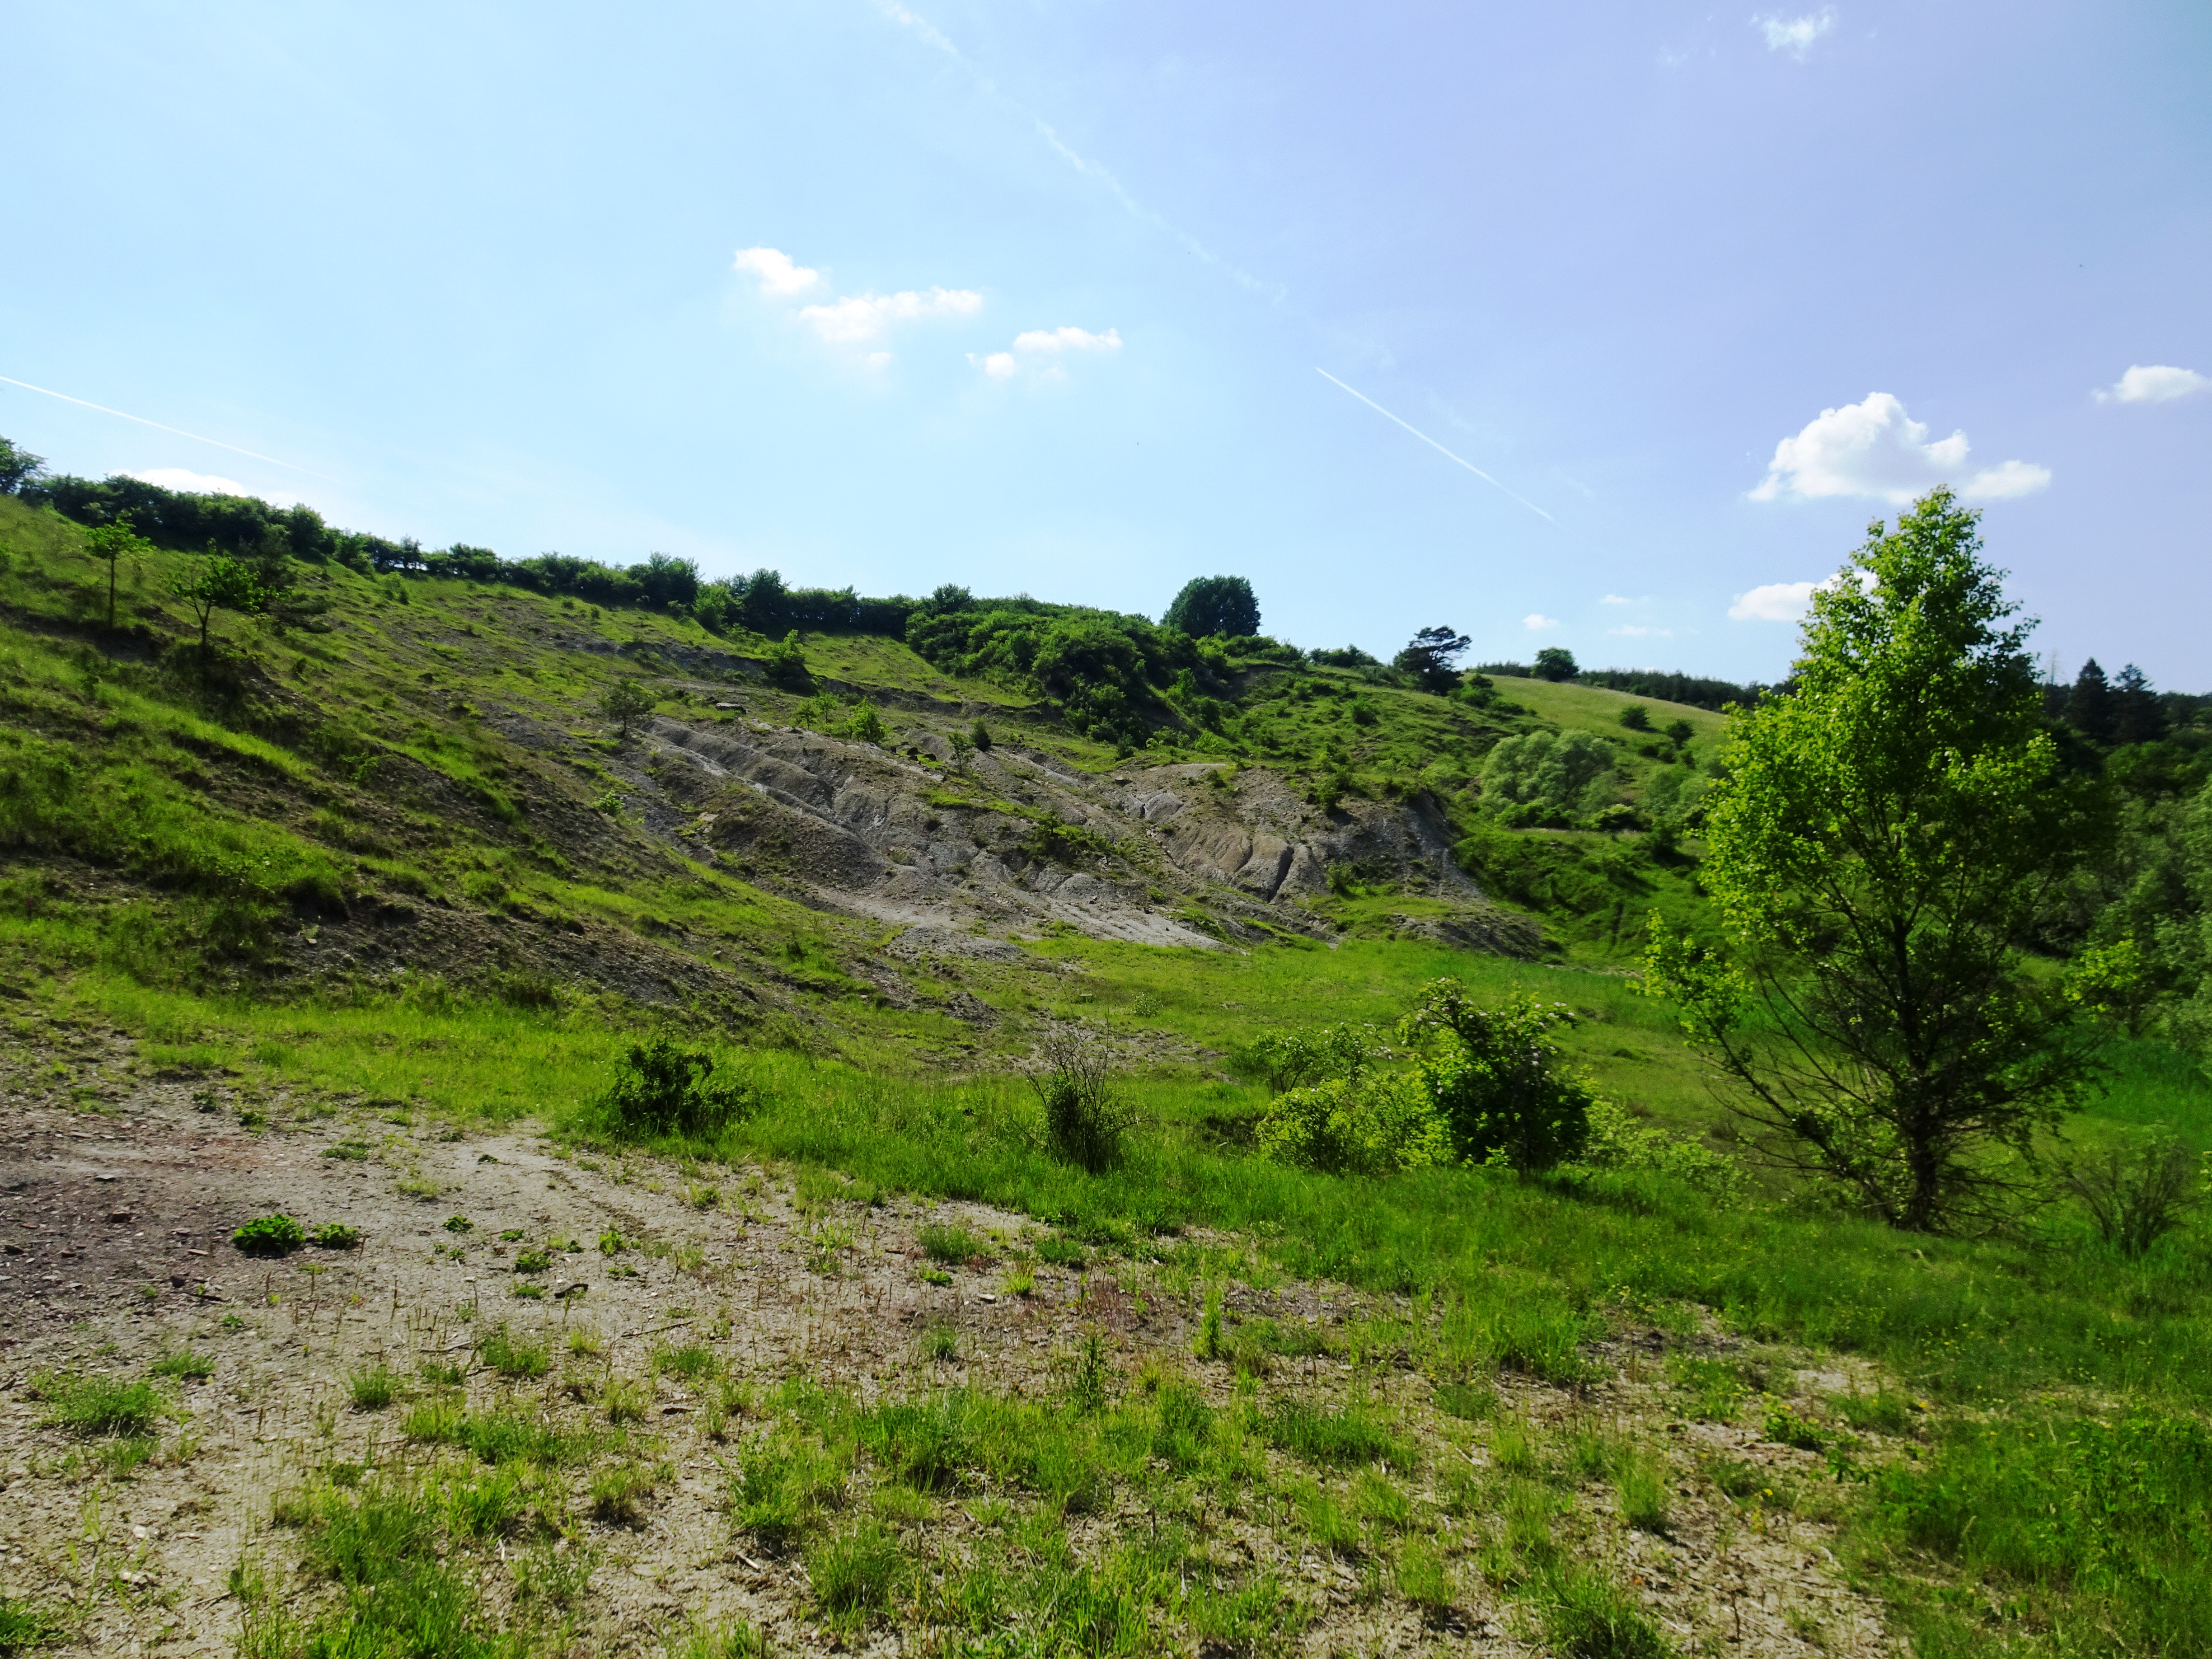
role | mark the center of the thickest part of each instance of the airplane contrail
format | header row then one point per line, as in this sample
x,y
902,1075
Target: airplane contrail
x,y
1434,445
158,426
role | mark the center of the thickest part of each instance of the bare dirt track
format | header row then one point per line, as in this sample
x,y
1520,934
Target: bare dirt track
x,y
119,1197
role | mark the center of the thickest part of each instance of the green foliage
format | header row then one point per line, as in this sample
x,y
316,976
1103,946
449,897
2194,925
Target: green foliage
x,y
663,1091
184,1364
1106,672
1891,837
787,664
867,726
99,1405
626,705
1555,663
218,583
946,1241
1497,1079
18,467
23,1624
270,1234
1084,1117
2137,1193
1349,1436
371,1390
1635,717
853,1570
1588,1616
1546,778
1430,660
336,1236
513,1357
2095,1530
1214,605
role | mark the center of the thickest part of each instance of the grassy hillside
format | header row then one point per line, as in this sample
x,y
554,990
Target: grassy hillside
x,y
390,875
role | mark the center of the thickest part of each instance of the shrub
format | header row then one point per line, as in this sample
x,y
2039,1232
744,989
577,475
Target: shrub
x,y
1360,1125
270,1234
1500,1082
1635,717
661,1090
2137,1195
1084,1119
336,1236
787,664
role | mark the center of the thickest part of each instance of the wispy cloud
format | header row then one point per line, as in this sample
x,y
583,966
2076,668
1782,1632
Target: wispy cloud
x,y
1433,444
1536,622
2159,383
1617,598
251,455
1794,35
930,35
1873,448
780,278
1637,631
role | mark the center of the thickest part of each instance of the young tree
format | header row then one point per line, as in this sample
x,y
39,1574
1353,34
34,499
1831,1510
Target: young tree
x,y
1432,659
626,704
1556,662
1890,835
219,583
115,543
1214,605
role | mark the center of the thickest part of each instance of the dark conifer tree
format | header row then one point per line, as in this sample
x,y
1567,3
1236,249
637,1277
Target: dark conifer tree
x,y
2138,715
2089,706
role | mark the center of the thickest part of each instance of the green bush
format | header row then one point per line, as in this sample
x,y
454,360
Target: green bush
x,y
336,1236
1546,778
663,1091
270,1234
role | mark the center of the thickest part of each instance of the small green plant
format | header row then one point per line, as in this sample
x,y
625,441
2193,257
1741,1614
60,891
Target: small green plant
x,y
661,1090
460,1224
184,1365
532,1261
693,1364
1061,1252
951,1243
940,1341
853,1570
511,1235
443,1374
627,1401
24,1625
351,1150
336,1236
252,1120
99,1405
270,1234
612,1242
1086,1369
231,1322
936,1276
1085,1118
373,1389
618,1493
1641,1481
1590,1617
511,1358
583,1341
1208,1345
1785,1427
1349,1435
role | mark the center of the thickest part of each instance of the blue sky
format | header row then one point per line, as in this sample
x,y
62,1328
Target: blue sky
x,y
1048,297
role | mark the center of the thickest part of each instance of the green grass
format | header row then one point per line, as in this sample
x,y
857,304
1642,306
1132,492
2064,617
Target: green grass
x,y
185,1365
100,1405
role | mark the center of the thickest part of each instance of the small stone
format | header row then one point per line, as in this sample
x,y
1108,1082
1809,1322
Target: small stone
x,y
120,1215
106,1177
177,1281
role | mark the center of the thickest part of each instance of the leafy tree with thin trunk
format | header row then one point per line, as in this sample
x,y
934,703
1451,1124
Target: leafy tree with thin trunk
x,y
219,582
626,705
115,543
1890,835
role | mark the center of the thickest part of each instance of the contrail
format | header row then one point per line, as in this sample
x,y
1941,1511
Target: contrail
x,y
1434,445
158,426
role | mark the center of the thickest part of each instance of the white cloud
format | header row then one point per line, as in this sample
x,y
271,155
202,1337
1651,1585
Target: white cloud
x,y
191,483
779,277
1786,601
1617,598
1067,339
1536,622
860,317
1796,35
1636,631
877,359
1874,449
1047,344
2153,384
1775,602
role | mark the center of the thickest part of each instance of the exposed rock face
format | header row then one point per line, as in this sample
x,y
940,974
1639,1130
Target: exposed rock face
x,y
1016,839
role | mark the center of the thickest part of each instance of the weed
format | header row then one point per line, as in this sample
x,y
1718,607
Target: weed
x,y
1425,1576
1084,1371
1473,1401
1641,1481
460,1224
371,1390
24,1625
936,1276
1883,1411
1715,1387
184,1365
853,1570
783,1484
1207,1344
733,1640
627,1401
443,1374
950,1243
583,1341
940,1341
617,1493
1061,1252
926,1444
349,1151
1347,1435
270,1234
336,1236
1020,1280
99,1405
1589,1616
612,1242
512,1358
1084,1120
532,1261
693,1364
1785,1427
